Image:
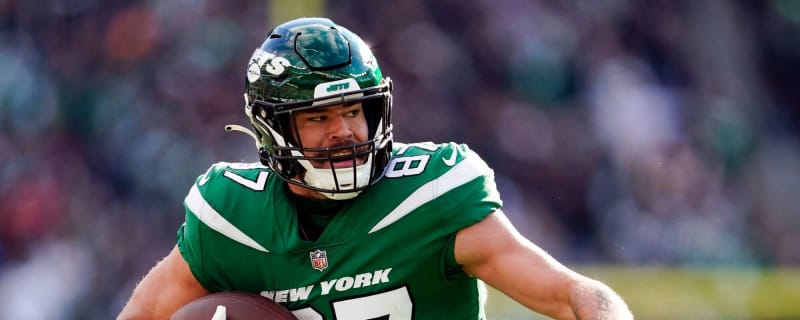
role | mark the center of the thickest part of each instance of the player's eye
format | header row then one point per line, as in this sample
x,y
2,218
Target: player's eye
x,y
312,116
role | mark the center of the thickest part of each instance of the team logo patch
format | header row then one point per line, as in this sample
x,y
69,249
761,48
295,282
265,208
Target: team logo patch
x,y
319,259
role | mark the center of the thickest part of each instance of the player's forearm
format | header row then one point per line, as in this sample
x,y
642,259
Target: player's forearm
x,y
593,300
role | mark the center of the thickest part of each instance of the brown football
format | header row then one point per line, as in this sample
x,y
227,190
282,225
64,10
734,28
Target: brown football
x,y
238,306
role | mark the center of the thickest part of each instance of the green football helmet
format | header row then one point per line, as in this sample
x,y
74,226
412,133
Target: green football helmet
x,y
311,63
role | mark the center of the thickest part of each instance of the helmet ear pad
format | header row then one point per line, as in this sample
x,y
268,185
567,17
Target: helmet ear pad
x,y
284,167
291,136
282,124
373,114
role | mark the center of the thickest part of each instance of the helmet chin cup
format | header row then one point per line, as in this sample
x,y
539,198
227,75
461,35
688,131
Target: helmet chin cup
x,y
340,196
339,179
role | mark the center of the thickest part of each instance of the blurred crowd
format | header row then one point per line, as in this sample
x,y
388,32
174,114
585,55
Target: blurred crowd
x,y
621,132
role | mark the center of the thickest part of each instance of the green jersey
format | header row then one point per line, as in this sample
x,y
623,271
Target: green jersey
x,y
388,254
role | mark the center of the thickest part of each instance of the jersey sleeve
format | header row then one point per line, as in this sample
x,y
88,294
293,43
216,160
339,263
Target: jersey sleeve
x,y
190,234
469,192
469,195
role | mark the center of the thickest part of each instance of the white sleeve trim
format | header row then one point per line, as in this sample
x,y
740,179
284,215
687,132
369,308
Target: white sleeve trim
x,y
211,218
465,171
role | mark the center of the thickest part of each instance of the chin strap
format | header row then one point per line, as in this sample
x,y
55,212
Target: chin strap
x,y
236,127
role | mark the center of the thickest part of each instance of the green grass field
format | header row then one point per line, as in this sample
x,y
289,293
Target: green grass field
x,y
688,293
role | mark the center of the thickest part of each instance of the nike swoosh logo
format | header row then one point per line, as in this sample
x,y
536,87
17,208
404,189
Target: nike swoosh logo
x,y
452,159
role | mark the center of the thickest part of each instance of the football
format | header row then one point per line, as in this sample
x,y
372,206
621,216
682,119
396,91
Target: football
x,y
231,305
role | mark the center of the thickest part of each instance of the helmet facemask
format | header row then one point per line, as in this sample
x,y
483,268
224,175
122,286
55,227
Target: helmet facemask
x,y
281,149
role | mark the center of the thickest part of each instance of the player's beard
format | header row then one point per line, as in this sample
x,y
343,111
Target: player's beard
x,y
341,158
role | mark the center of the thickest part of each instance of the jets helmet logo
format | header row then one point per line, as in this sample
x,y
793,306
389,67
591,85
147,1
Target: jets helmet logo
x,y
319,259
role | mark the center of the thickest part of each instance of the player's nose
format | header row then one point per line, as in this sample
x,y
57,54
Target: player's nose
x,y
339,127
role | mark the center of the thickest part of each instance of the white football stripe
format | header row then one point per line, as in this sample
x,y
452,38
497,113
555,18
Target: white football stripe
x,y
211,218
465,171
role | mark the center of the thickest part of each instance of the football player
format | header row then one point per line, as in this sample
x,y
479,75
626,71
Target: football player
x,y
338,221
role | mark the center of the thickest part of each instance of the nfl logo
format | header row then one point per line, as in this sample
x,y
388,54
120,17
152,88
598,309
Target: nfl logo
x,y
319,259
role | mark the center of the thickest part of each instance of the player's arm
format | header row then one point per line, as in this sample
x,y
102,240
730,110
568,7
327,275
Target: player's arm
x,y
495,252
166,288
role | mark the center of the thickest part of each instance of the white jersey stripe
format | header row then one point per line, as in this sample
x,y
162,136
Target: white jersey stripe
x,y
465,171
210,217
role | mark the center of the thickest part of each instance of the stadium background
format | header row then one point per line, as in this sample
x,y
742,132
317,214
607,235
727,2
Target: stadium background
x,y
650,144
